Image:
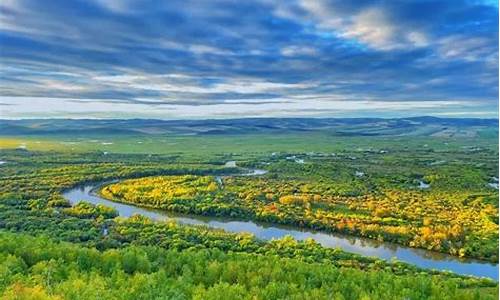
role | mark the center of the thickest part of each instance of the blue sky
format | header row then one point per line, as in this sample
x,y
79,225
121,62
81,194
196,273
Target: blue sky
x,y
224,59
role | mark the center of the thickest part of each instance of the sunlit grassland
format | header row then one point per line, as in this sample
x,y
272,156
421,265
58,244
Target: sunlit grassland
x,y
203,145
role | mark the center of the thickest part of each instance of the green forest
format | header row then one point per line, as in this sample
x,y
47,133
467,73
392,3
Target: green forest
x,y
50,249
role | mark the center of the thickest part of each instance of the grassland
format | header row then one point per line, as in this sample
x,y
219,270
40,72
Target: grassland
x,y
210,145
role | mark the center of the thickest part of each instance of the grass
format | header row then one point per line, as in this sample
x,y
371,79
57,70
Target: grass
x,y
209,145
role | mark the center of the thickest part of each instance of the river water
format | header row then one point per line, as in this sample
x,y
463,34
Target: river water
x,y
367,247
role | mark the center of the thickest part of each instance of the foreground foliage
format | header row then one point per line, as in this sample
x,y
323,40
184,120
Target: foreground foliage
x,y
37,268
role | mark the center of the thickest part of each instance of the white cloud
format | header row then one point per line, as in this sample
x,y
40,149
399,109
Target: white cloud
x,y
204,49
372,26
418,39
278,107
291,51
468,48
190,84
116,6
60,85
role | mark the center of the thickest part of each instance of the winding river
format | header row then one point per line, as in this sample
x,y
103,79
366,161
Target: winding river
x,y
367,247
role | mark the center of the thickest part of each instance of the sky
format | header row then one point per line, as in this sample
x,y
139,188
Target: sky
x,y
233,59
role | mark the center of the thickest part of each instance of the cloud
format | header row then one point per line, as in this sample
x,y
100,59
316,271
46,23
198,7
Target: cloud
x,y
257,53
371,25
35,107
291,51
467,48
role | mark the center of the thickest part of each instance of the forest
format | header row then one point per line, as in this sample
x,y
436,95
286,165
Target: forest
x,y
455,213
50,249
456,223
38,268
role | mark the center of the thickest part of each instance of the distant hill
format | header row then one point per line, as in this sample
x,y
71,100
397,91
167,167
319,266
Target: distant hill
x,y
417,126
